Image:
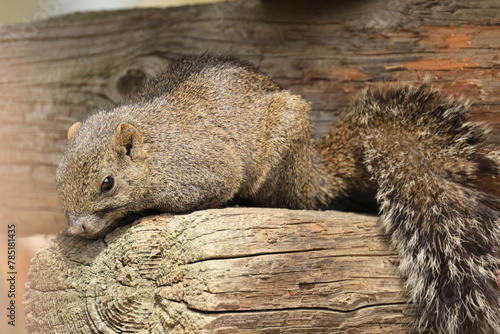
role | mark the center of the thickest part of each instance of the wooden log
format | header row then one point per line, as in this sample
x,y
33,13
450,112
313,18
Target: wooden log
x,y
52,73
234,270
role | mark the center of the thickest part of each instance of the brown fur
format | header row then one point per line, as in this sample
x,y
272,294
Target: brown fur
x,y
215,129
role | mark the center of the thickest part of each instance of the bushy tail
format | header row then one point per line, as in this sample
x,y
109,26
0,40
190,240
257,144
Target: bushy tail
x,y
426,162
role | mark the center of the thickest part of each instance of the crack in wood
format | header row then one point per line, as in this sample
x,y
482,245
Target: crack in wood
x,y
288,309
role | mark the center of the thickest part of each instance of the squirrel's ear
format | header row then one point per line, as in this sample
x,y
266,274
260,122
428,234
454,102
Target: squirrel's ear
x,y
127,138
72,129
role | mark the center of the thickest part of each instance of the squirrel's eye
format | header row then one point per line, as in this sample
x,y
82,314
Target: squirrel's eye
x,y
107,184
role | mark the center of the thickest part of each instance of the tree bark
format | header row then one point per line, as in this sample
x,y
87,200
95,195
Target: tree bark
x,y
52,73
234,270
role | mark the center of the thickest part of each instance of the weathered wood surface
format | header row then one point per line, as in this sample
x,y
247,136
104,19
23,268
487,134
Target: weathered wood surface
x,y
235,270
53,73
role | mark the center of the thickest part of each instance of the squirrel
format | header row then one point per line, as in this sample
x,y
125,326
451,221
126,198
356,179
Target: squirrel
x,y
214,129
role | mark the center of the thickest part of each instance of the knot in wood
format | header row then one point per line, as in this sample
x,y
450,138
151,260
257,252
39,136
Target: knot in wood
x,y
130,82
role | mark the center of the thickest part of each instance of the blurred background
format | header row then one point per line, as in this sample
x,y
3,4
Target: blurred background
x,y
28,10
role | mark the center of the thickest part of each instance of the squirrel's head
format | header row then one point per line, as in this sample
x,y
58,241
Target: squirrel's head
x,y
99,176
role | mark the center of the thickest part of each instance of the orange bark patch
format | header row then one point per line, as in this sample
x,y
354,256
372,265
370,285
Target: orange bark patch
x,y
458,42
449,38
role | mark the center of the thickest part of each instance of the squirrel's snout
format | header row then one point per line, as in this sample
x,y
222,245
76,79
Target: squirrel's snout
x,y
82,226
76,226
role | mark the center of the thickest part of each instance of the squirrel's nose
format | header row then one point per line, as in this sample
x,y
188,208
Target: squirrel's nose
x,y
75,225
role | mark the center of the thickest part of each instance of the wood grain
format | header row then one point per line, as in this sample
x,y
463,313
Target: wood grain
x,y
53,73
234,270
